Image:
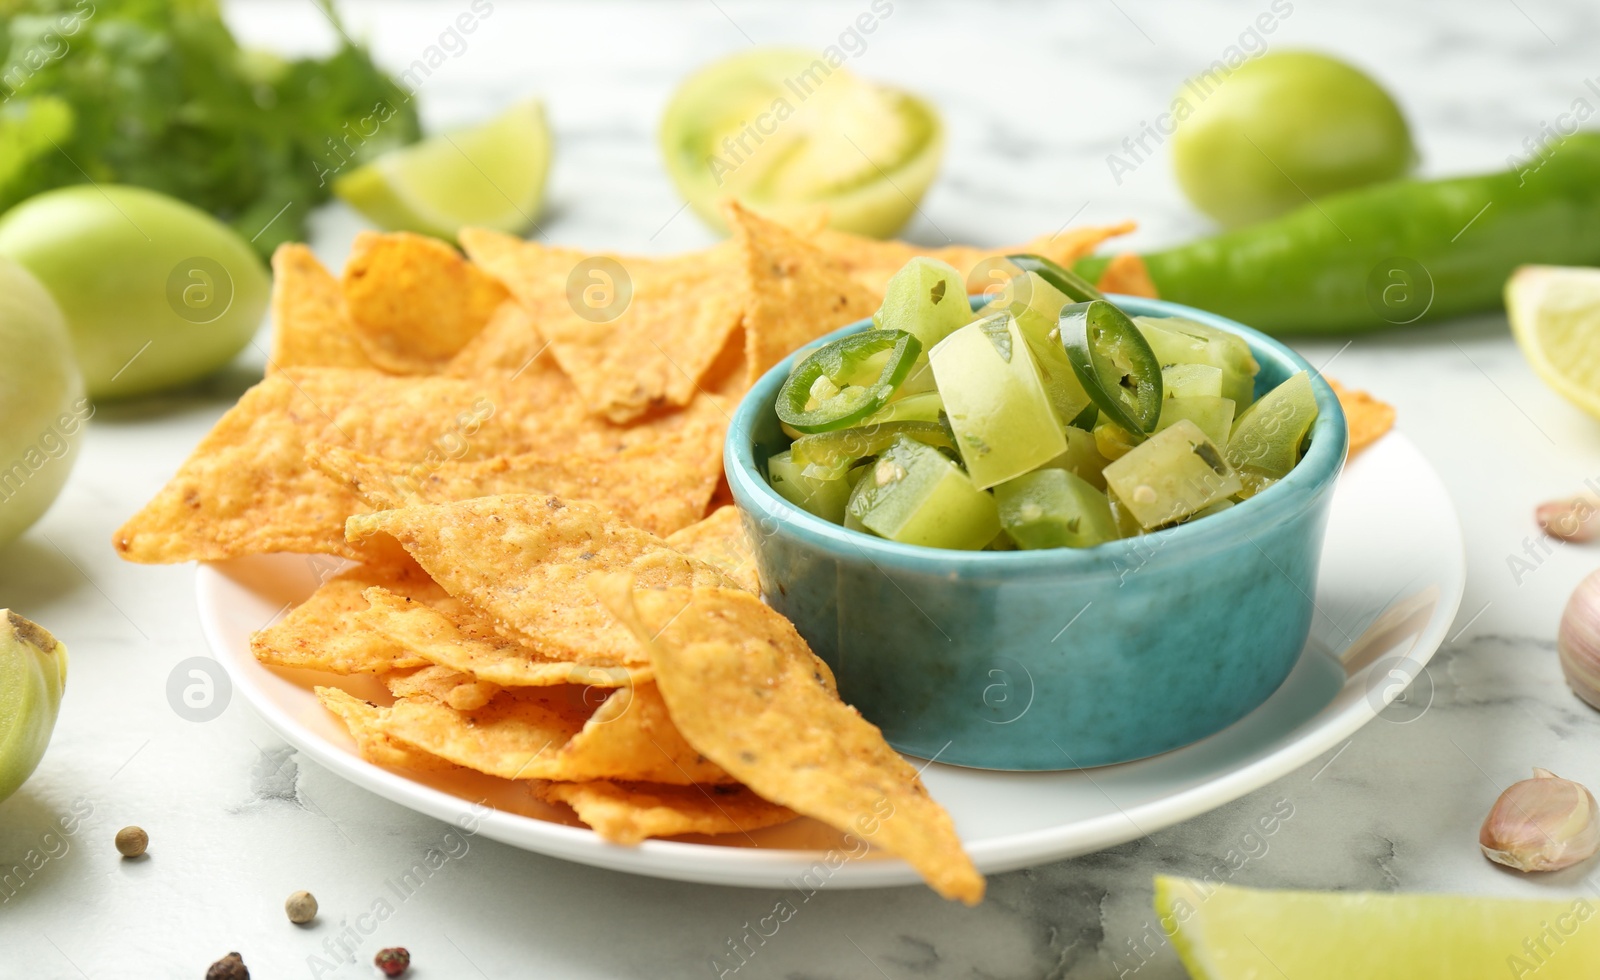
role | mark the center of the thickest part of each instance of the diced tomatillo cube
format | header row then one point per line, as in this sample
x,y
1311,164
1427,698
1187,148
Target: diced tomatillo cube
x,y
996,402
1266,439
1191,380
824,498
1082,458
1036,306
1054,509
915,495
926,298
1171,476
1178,341
1213,415
1113,441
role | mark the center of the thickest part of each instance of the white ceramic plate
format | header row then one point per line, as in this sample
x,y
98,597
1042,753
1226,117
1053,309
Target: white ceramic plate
x,y
1391,579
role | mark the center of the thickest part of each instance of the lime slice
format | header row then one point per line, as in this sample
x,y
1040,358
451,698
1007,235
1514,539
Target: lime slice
x,y
1228,933
1555,316
33,671
788,134
490,176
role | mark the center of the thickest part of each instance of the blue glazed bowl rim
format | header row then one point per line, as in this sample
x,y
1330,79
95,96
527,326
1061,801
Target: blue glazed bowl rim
x,y
1283,501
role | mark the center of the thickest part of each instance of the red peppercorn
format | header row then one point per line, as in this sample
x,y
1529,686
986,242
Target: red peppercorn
x,y
392,961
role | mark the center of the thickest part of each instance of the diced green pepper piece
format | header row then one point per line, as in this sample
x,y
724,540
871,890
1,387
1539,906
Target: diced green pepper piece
x,y
915,495
1176,340
996,402
1082,458
829,455
1171,475
1213,415
1054,509
1191,380
927,298
1266,440
824,498
1036,305
1113,441
924,406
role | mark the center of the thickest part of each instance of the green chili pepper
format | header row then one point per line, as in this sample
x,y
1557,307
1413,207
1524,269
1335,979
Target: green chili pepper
x,y
1395,253
1115,363
841,383
1074,286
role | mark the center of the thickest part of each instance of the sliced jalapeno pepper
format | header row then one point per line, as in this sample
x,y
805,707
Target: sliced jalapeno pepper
x,y
1115,364
841,383
1076,288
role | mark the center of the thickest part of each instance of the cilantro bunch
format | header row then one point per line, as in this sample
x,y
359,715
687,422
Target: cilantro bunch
x,y
159,94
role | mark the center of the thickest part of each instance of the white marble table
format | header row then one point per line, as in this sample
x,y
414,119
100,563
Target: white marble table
x,y
1035,96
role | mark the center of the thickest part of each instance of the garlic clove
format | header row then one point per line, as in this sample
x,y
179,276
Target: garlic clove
x,y
1542,824
1578,640
1574,519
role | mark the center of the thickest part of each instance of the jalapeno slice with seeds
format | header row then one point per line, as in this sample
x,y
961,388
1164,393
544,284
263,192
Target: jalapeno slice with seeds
x,y
842,383
1115,364
1076,288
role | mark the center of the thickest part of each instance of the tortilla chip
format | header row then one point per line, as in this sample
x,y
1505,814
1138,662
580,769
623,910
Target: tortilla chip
x,y
322,633
517,735
653,350
463,692
468,644
744,689
797,292
414,300
310,326
523,559
1127,274
627,813
365,721
1369,419
248,489
720,541
631,736
508,344
660,487
871,262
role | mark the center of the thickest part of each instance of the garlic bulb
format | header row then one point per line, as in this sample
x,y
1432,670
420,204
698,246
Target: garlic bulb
x,y
1574,519
1542,824
1578,640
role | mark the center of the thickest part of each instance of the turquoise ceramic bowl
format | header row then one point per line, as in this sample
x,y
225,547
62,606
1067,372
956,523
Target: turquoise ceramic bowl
x,y
1058,659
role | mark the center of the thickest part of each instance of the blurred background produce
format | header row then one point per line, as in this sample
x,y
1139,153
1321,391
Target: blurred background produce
x,y
159,94
794,134
155,292
1282,128
33,673
42,406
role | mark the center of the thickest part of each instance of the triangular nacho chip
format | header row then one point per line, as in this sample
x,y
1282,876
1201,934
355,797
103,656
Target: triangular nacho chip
x,y
660,487
627,813
721,541
745,690
797,292
523,559
322,633
415,301
365,722
310,326
633,333
517,735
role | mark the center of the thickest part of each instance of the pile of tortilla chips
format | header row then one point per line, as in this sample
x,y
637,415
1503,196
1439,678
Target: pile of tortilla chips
x,y
518,451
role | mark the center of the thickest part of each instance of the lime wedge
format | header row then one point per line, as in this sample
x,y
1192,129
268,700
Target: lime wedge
x,y
790,133
1228,933
489,176
33,671
1555,316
